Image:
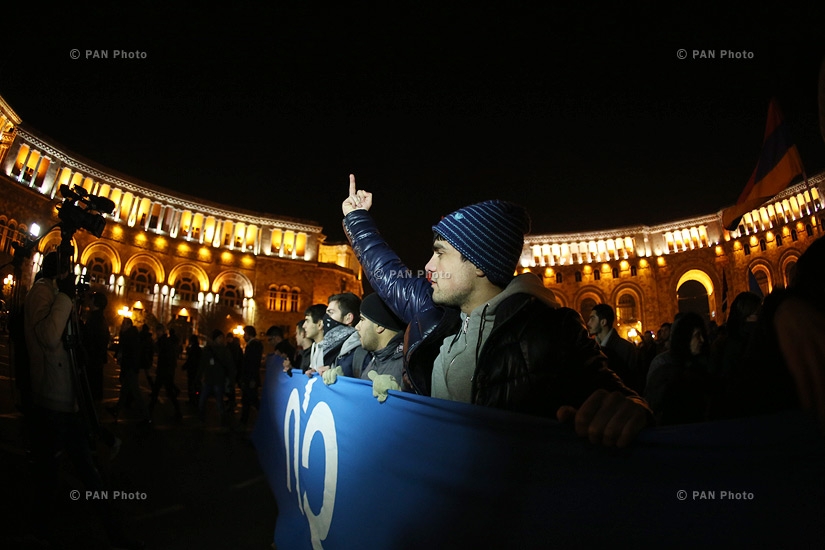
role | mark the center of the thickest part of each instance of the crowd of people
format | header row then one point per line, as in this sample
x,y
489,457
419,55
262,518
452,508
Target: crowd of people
x,y
471,331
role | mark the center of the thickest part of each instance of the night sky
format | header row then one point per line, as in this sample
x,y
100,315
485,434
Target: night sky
x,y
585,115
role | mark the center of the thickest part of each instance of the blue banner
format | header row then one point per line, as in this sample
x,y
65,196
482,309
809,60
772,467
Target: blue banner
x,y
415,472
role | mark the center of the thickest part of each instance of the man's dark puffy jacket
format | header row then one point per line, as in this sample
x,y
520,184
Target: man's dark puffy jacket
x,y
537,358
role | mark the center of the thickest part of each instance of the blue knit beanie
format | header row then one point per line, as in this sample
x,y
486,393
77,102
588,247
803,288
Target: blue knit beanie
x,y
490,234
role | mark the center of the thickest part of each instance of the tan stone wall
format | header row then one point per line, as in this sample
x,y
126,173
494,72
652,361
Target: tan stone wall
x,y
314,281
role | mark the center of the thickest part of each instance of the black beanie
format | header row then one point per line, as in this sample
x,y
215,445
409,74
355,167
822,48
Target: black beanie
x,y
374,309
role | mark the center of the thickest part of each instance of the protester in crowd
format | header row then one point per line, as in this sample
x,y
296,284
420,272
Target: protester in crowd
x,y
233,378
622,356
95,339
301,357
314,327
278,343
453,352
340,337
680,388
168,346
128,357
250,372
646,352
382,343
783,366
216,362
59,425
729,348
663,337
191,366
147,352
95,335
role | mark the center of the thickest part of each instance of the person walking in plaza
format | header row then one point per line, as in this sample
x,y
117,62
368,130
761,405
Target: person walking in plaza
x,y
96,337
216,362
147,353
250,373
167,363
233,378
128,357
191,366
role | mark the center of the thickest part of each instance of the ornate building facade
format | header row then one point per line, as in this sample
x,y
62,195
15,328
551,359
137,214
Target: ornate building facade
x,y
650,273
176,256
158,252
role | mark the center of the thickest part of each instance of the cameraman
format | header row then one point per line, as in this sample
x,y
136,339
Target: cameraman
x,y
57,421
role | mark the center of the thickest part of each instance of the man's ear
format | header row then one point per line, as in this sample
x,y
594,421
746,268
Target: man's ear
x,y
379,329
348,318
480,273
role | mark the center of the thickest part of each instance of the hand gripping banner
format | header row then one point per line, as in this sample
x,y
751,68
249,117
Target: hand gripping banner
x,y
420,473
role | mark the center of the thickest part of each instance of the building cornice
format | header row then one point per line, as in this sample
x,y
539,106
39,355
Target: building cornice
x,y
6,109
160,196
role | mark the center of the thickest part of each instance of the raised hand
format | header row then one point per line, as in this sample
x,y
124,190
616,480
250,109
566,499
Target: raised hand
x,y
357,200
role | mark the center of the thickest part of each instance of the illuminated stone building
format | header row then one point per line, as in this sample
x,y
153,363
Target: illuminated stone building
x,y
172,252
650,273
160,252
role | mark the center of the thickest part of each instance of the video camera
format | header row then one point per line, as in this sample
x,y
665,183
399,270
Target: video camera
x,y
90,216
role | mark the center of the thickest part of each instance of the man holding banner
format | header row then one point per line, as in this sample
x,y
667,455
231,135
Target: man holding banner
x,y
478,334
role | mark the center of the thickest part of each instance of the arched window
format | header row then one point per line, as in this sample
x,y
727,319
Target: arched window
x,y
559,278
633,271
283,298
3,230
293,300
693,296
272,298
186,289
230,295
578,276
763,245
626,308
142,279
99,270
790,267
615,272
596,276
763,279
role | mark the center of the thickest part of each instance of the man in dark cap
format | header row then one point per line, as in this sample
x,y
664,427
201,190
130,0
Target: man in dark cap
x,y
479,334
382,343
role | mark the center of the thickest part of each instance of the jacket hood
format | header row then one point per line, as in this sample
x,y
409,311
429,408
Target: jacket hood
x,y
526,283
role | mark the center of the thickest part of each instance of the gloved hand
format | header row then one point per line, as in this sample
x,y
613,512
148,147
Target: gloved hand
x,y
381,383
66,286
331,375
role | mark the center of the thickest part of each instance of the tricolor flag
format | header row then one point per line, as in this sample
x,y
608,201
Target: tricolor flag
x,y
779,163
753,284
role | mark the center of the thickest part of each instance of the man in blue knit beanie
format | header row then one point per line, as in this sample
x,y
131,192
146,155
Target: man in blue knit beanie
x,y
478,333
